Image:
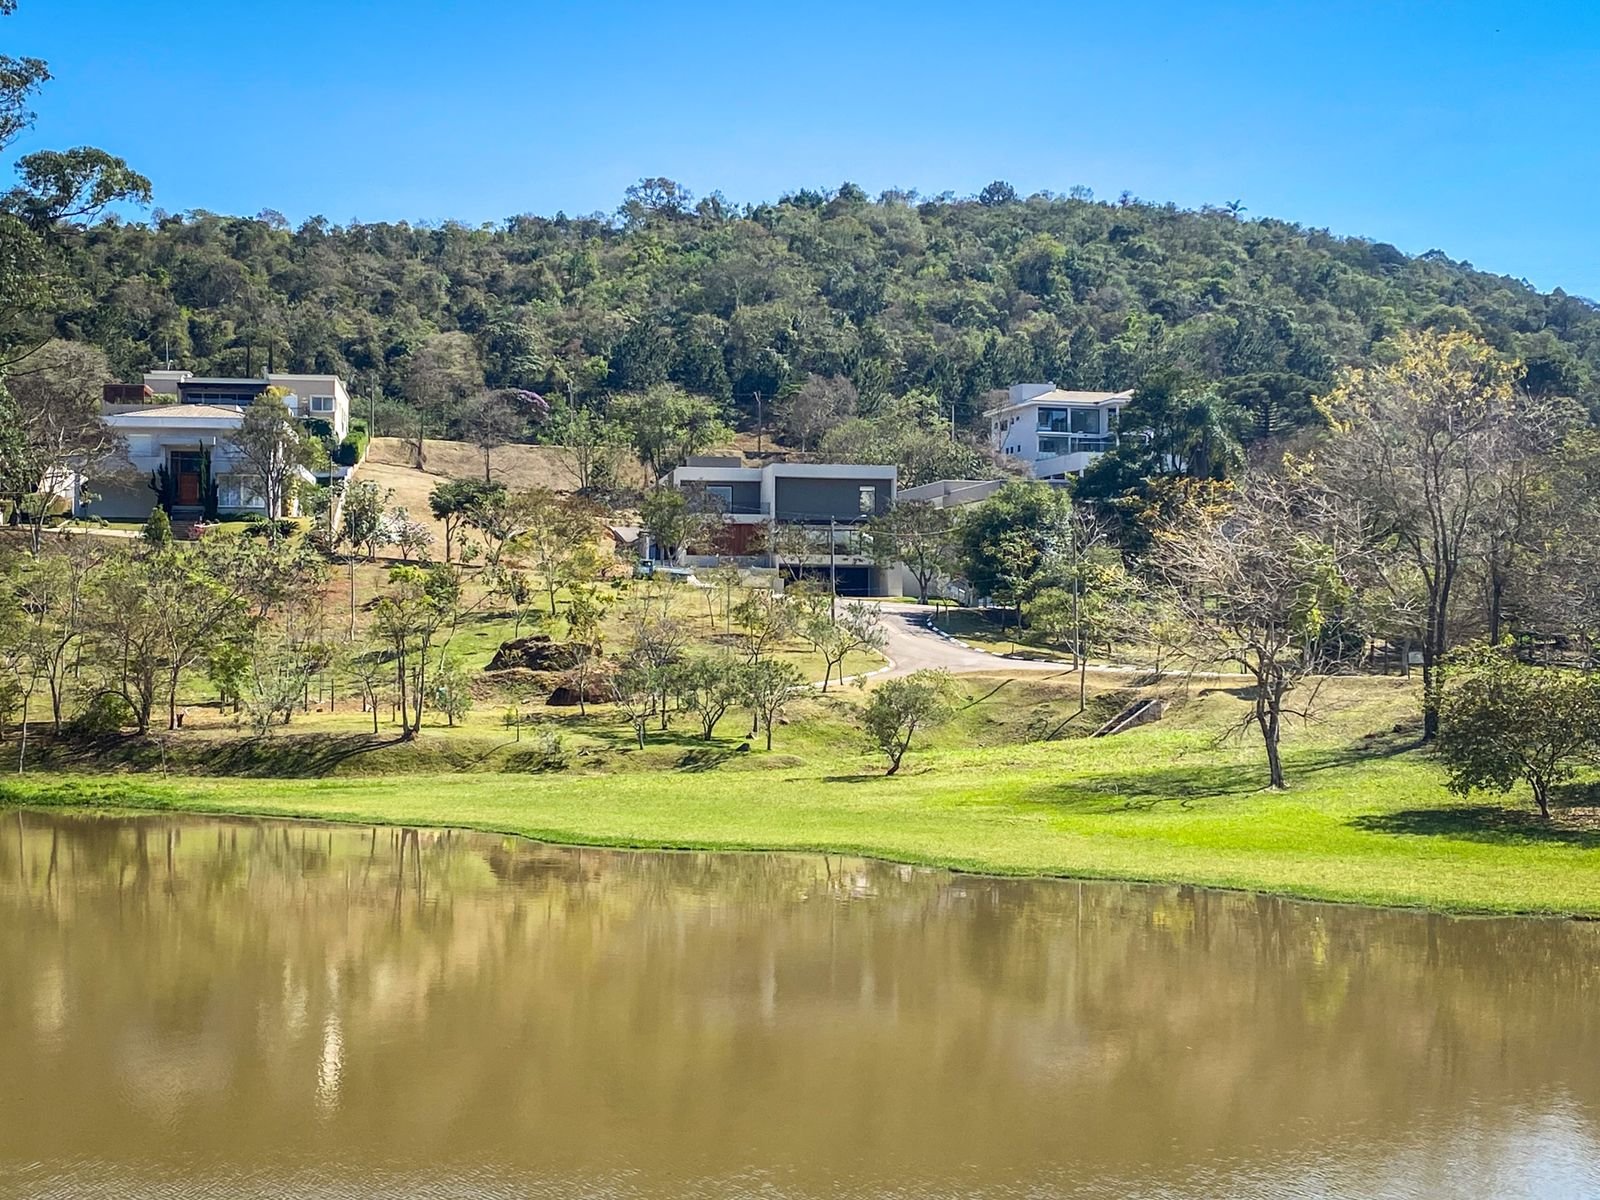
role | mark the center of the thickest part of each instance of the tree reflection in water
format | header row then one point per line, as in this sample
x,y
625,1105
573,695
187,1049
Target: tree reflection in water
x,y
248,1004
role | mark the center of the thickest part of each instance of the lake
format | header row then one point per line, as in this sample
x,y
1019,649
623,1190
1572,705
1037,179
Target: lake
x,y
245,1008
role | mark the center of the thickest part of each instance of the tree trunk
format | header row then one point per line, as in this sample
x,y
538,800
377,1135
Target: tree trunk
x,y
1497,588
1430,694
1541,791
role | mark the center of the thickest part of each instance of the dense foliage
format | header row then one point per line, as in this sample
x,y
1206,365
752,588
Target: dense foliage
x,y
949,298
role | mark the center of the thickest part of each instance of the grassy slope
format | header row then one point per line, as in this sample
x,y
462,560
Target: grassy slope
x,y
1366,819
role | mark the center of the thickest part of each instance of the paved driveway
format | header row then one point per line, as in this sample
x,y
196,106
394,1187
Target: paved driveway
x,y
913,646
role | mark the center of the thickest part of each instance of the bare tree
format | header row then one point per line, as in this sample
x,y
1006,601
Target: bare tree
x,y
494,418
59,435
815,407
1266,586
440,374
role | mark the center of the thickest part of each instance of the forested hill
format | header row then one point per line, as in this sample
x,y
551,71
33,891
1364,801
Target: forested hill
x,y
952,297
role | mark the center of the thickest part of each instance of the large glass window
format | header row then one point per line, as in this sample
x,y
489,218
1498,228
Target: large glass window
x,y
322,404
868,499
1070,420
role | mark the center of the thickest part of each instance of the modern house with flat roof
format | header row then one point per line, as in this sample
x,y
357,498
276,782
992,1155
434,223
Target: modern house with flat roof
x,y
790,515
311,397
1056,433
177,429
179,456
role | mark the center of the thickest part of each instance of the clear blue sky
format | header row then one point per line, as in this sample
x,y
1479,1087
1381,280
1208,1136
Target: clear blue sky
x,y
1467,126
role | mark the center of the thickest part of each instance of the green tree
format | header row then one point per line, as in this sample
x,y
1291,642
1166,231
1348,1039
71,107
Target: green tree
x,y
1504,721
271,449
1423,438
770,687
666,425
708,687
919,536
837,631
452,688
897,708
456,501
594,441
1014,542
419,604
673,522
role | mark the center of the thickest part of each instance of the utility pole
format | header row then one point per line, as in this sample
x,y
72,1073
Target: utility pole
x,y
833,571
1077,612
760,424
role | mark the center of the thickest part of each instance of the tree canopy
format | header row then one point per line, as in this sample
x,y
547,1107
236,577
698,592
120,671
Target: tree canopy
x,y
948,297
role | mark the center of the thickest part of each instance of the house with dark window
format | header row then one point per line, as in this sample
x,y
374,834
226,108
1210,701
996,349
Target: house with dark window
x,y
807,520
177,428
1056,433
310,397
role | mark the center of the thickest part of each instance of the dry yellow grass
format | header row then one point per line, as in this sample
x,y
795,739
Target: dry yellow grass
x,y
391,464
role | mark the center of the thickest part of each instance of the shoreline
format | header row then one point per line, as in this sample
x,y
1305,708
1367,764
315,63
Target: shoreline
x,y
204,796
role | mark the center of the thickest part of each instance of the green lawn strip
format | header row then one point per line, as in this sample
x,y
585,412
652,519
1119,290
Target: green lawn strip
x,y
1159,805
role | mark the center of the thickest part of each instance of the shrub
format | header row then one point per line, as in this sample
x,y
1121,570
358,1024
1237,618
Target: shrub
x,y
548,752
103,714
354,447
1501,721
158,527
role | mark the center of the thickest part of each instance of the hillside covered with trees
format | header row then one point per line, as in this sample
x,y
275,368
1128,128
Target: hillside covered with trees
x,y
945,298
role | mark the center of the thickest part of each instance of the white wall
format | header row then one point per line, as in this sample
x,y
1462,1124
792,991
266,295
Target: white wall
x,y
307,386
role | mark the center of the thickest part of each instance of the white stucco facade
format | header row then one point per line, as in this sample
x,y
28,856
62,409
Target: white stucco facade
x,y
322,397
1057,433
191,442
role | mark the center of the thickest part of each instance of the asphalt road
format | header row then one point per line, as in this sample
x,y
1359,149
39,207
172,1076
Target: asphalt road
x,y
913,646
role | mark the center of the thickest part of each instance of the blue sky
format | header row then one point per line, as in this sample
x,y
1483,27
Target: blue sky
x,y
1466,126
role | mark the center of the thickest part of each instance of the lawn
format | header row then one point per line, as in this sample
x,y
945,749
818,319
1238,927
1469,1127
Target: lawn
x,y
1366,817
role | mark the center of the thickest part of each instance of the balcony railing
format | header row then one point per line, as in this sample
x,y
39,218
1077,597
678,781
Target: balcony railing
x,y
1077,444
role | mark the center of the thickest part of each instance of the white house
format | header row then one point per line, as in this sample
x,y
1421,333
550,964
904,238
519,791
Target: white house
x,y
319,397
820,500
1056,433
177,453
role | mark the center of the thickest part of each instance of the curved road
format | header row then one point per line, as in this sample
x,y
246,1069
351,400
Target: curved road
x,y
914,646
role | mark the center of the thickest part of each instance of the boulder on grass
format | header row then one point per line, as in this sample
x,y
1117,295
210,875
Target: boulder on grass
x,y
596,690
535,653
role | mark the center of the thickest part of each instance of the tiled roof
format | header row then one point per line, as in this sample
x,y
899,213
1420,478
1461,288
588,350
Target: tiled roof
x,y
162,413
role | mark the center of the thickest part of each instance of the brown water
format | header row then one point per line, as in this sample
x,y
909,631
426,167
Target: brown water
x,y
194,1007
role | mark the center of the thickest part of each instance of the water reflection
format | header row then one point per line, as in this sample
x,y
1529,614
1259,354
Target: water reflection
x,y
262,1008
